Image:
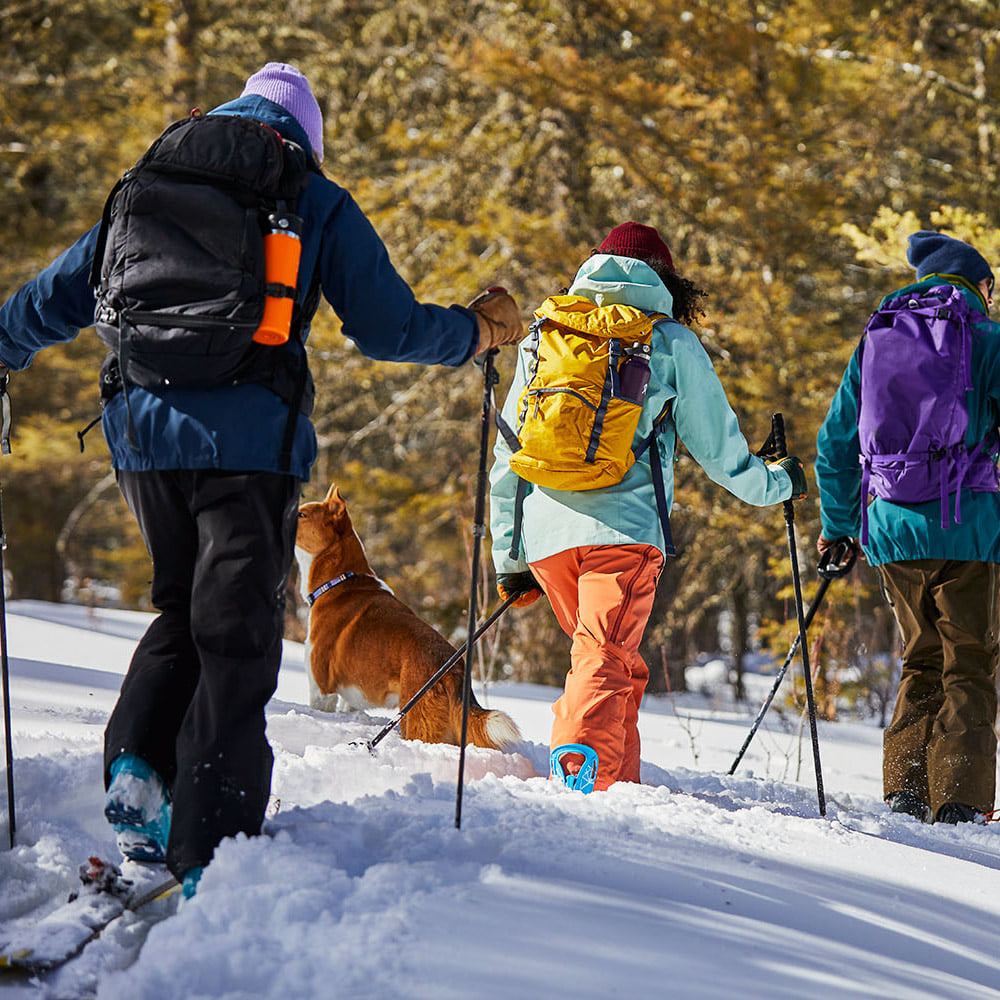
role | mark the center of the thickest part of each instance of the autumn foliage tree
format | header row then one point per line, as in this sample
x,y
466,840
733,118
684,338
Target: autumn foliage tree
x,y
784,149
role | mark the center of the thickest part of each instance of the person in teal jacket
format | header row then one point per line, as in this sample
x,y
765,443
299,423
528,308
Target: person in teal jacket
x,y
939,751
597,554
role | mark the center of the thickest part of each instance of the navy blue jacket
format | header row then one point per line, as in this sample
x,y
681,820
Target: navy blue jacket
x,y
240,427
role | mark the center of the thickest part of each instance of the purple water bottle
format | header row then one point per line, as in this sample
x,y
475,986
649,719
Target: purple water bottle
x,y
633,375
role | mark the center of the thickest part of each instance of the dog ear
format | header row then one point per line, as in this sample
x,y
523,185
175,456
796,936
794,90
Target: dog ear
x,y
335,504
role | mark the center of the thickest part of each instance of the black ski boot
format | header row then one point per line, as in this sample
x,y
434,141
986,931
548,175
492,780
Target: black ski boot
x,y
955,812
912,805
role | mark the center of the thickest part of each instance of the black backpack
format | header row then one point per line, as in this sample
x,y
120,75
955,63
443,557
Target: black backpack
x,y
179,270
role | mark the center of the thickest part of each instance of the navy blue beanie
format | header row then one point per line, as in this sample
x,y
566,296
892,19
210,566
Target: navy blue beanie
x,y
934,253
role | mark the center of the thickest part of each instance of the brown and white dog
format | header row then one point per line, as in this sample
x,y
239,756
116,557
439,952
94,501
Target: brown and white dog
x,y
368,649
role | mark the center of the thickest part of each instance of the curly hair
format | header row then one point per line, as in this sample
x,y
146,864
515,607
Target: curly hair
x,y
686,294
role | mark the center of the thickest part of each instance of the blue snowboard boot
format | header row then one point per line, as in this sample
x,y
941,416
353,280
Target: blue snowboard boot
x,y
138,808
583,780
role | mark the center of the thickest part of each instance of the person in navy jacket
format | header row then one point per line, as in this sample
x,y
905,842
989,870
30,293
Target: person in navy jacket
x,y
186,758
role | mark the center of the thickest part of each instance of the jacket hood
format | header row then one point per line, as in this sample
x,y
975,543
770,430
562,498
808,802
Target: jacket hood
x,y
607,279
263,110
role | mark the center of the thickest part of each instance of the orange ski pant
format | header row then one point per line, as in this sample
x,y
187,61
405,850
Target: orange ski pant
x,y
602,596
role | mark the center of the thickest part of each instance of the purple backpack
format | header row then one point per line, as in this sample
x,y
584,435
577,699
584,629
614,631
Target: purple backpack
x,y
913,409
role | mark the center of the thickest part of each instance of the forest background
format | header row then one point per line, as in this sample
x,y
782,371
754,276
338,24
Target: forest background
x,y
784,149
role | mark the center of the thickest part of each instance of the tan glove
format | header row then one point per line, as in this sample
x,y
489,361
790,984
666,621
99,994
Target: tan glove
x,y
499,319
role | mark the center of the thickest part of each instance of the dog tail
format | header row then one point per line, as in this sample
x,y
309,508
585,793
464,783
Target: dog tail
x,y
490,728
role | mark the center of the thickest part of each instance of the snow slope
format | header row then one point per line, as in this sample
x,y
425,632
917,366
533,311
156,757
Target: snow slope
x,y
693,884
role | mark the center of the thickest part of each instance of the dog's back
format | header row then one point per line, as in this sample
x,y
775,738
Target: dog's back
x,y
369,648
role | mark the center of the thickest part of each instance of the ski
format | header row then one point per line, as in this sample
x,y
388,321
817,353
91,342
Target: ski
x,y
106,892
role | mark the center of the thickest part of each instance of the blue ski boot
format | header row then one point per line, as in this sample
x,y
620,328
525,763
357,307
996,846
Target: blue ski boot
x,y
138,808
189,884
583,780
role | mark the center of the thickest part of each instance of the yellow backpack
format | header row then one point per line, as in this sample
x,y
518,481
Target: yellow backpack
x,y
575,425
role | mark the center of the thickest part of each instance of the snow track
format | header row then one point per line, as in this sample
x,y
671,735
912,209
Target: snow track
x,y
693,884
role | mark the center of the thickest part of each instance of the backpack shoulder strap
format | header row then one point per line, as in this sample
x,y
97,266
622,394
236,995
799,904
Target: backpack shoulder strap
x,y
102,232
661,499
515,538
656,467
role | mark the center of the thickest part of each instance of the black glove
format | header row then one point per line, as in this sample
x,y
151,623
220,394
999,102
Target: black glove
x,y
836,556
796,473
522,586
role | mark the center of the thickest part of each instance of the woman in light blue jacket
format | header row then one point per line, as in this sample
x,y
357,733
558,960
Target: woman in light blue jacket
x,y
597,554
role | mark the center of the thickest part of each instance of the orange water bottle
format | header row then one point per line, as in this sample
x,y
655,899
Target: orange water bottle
x,y
282,250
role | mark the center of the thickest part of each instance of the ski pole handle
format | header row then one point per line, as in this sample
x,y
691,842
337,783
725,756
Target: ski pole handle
x,y
778,433
5,414
481,299
491,293
838,560
480,359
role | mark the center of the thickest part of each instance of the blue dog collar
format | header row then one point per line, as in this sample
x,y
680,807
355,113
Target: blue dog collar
x,y
329,585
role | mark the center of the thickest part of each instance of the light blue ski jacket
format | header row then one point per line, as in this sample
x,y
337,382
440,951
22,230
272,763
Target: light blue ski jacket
x,y
681,373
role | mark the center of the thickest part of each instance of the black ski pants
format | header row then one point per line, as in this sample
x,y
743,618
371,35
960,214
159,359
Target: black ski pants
x,y
192,703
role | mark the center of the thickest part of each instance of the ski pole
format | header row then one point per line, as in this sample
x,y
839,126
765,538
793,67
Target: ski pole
x,y
781,451
835,563
4,667
441,671
490,378
781,675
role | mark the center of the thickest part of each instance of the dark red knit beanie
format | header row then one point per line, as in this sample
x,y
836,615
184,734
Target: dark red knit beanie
x,y
632,239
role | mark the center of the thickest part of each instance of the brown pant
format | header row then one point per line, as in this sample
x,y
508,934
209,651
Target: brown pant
x,y
941,743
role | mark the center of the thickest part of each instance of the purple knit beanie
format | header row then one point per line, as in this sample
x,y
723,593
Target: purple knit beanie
x,y
286,86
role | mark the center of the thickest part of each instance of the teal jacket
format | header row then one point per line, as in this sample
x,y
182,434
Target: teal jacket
x,y
681,373
898,532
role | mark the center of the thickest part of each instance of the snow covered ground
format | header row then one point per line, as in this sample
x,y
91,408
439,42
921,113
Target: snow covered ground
x,y
693,884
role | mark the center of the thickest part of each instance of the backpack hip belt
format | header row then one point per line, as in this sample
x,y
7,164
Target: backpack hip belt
x,y
957,468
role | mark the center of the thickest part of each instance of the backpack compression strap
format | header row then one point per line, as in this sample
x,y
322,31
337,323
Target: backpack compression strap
x,y
610,389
